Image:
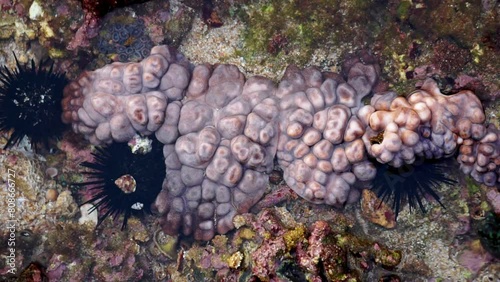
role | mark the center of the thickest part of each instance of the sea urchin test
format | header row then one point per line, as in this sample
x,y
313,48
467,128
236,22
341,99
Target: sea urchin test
x,y
222,131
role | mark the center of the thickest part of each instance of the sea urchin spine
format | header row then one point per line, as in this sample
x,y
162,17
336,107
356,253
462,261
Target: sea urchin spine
x,y
411,183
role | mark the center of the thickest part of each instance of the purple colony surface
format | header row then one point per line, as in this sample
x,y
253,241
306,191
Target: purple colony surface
x,y
221,131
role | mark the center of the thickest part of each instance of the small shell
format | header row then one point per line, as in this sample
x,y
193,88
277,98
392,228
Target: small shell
x,y
126,183
51,172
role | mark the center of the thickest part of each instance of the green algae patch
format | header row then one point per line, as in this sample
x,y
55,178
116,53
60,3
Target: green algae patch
x,y
403,10
290,31
472,186
294,236
7,26
76,238
489,234
459,20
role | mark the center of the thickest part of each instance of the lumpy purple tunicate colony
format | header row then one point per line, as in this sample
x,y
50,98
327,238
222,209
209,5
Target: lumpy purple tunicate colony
x,y
222,131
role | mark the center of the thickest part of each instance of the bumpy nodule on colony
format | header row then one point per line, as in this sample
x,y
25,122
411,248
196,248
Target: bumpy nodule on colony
x,y
119,100
431,125
320,147
217,167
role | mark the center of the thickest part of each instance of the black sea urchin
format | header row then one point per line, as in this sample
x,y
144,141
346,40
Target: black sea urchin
x,y
125,183
30,103
410,183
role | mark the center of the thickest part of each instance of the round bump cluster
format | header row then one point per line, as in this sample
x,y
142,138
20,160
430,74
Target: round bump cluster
x,y
427,124
320,146
128,42
218,163
481,158
119,100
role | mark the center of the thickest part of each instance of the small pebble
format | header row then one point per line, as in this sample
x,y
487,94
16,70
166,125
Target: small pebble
x,y
376,211
51,195
35,11
88,215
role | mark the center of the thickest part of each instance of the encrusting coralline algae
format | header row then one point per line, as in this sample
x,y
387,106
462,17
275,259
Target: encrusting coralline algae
x,y
222,131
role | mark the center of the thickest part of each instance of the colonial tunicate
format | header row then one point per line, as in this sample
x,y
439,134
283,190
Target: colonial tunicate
x,y
221,131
